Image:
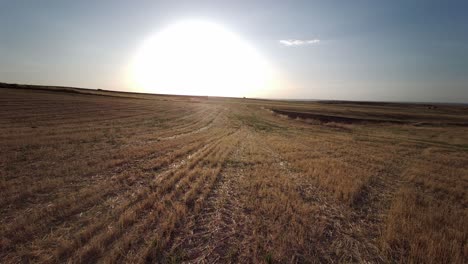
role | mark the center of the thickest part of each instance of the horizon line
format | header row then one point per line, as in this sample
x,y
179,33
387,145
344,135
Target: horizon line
x,y
216,96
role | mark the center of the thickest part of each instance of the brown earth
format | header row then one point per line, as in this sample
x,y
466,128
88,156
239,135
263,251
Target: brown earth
x,y
138,178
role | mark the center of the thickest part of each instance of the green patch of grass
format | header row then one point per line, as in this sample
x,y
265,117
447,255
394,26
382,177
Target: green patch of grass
x,y
269,258
257,123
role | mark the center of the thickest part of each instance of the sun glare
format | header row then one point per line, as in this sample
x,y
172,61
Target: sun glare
x,y
199,58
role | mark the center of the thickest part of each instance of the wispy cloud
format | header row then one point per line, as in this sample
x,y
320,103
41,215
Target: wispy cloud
x,y
298,42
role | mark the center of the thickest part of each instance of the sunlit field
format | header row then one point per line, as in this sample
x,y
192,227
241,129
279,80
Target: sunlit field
x,y
95,176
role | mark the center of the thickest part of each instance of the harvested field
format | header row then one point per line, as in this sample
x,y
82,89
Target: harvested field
x,y
97,176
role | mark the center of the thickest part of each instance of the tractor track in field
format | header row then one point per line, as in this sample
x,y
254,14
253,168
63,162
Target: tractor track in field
x,y
221,180
215,234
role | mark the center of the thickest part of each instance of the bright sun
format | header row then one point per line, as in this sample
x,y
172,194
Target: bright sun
x,y
199,58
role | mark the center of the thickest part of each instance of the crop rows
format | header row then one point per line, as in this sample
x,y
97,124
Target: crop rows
x,y
161,179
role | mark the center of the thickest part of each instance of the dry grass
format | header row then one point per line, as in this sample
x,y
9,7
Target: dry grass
x,y
427,219
131,178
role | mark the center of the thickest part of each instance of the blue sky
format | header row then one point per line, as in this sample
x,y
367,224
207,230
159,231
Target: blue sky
x,y
364,50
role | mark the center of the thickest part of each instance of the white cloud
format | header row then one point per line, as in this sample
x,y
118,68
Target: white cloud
x,y
298,42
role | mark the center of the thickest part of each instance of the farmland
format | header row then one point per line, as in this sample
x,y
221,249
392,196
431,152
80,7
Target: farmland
x,y
97,176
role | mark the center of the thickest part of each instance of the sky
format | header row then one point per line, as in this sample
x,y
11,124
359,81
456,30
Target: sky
x,y
412,50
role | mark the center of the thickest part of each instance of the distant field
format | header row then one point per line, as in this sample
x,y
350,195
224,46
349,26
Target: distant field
x,y
97,176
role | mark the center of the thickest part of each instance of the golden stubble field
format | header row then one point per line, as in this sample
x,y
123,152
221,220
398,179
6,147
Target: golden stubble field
x,y
126,178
